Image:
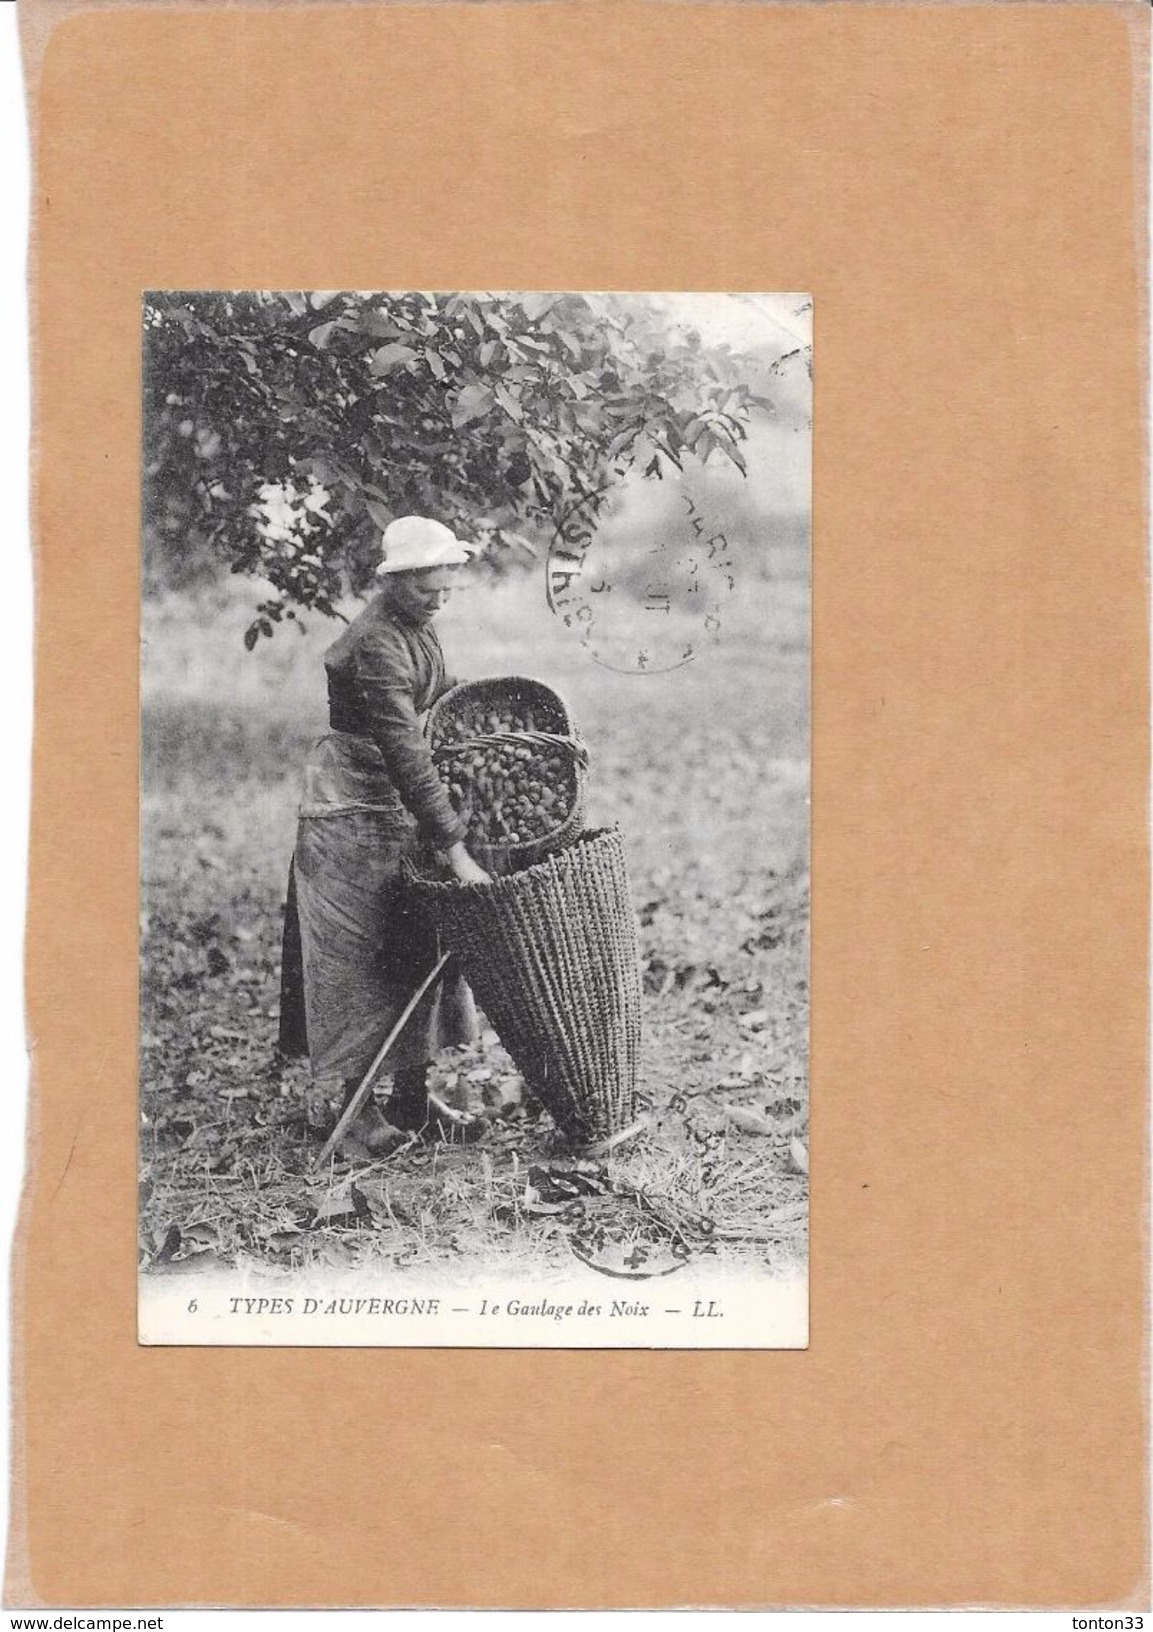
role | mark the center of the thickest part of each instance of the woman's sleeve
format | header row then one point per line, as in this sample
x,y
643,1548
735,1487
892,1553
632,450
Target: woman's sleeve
x,y
386,685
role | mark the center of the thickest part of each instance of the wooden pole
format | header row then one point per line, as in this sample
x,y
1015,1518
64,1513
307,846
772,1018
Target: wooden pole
x,y
369,1077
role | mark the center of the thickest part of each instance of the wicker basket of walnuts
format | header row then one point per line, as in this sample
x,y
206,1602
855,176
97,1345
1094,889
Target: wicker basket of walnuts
x,y
508,752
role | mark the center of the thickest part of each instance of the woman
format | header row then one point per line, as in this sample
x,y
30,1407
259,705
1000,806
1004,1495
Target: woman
x,y
354,949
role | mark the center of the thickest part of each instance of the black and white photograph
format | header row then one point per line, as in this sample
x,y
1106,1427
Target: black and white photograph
x,y
474,819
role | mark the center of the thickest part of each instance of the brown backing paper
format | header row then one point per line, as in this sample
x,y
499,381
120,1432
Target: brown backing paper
x,y
960,188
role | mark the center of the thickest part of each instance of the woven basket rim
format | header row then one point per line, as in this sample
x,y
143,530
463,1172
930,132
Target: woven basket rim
x,y
481,682
512,881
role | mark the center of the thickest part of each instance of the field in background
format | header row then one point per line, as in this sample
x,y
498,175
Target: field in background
x,y
706,770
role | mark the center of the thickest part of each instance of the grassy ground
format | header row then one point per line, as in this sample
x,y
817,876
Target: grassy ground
x,y
706,772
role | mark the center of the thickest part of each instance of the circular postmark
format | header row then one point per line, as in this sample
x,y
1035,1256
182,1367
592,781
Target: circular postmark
x,y
649,600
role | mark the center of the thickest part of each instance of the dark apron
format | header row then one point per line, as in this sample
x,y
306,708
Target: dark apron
x,y
356,947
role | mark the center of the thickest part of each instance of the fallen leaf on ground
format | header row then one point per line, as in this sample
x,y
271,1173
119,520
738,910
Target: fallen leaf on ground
x,y
346,1202
533,1203
748,1121
168,1243
283,1240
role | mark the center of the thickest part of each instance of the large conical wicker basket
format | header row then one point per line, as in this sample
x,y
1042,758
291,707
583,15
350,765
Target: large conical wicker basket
x,y
551,954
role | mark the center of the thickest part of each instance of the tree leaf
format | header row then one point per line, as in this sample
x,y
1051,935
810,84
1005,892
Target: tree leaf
x,y
509,403
472,402
321,334
749,1121
380,326
394,355
728,447
380,513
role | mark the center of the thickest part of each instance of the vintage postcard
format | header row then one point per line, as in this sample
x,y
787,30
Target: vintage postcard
x,y
422,438
474,819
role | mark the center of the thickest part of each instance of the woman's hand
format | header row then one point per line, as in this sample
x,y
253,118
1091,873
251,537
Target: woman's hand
x,y
464,869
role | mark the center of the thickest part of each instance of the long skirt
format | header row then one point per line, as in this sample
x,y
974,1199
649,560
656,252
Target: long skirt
x,y
356,948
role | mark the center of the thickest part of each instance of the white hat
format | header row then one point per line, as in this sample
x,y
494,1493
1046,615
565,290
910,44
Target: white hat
x,y
414,544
